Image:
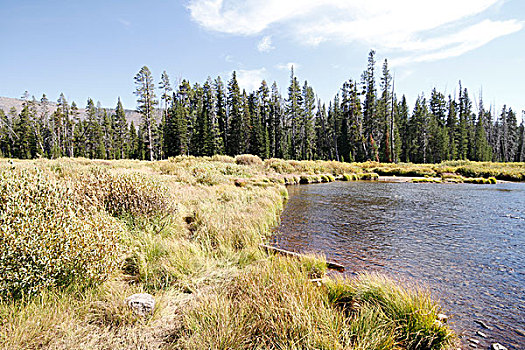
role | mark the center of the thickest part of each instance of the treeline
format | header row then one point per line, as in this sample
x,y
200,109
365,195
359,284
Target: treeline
x,y
365,121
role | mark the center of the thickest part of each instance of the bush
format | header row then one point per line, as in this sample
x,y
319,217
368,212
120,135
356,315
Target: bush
x,y
47,239
122,194
248,159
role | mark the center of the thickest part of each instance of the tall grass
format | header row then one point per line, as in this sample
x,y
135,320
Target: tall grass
x,y
82,235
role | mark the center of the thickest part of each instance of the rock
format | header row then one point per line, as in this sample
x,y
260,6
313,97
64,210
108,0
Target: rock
x,y
483,324
442,318
481,334
142,304
498,346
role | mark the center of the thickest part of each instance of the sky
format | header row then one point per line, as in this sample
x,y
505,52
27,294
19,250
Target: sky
x,y
93,49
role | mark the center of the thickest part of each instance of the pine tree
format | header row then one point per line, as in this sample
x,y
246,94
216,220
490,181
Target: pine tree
x,y
108,135
462,134
120,132
482,150
236,128
221,115
276,123
94,134
307,122
384,111
166,89
146,102
134,147
5,132
452,128
334,124
322,149
294,111
438,132
371,125
418,132
265,122
24,146
521,144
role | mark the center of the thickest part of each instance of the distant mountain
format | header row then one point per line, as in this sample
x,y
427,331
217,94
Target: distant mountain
x,y
7,103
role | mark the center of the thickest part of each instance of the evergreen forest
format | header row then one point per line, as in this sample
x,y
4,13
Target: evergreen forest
x,y
366,120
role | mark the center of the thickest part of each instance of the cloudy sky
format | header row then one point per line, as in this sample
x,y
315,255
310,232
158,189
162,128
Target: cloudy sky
x,y
93,49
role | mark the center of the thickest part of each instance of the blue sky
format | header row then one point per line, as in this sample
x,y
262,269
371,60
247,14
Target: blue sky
x,y
94,48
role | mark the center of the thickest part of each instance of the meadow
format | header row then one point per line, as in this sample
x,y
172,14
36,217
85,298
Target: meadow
x,y
79,236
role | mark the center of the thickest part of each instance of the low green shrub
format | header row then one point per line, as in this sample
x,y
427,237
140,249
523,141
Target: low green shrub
x,y
47,238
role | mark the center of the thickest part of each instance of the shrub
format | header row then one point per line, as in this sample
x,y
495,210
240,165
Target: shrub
x,y
223,159
47,239
248,159
278,165
122,194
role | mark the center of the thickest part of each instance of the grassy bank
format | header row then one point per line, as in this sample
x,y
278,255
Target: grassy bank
x,y
82,235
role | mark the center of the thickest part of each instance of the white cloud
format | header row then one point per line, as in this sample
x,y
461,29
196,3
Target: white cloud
x,y
124,22
422,30
288,66
250,79
265,44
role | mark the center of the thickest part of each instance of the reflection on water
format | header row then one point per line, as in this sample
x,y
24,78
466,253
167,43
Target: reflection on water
x,y
465,242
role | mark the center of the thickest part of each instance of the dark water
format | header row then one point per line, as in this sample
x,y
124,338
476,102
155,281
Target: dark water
x,y
466,243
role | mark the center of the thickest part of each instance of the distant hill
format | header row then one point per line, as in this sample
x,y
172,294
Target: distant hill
x,y
7,103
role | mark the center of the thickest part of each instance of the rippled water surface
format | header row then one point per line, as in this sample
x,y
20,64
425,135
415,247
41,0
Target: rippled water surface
x,y
465,242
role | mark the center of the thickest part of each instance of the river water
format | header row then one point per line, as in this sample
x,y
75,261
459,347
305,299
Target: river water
x,y
464,242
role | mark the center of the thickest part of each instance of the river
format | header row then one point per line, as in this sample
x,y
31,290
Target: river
x,y
464,242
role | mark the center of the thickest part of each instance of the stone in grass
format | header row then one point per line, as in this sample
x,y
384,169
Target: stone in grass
x,y
498,346
442,318
142,304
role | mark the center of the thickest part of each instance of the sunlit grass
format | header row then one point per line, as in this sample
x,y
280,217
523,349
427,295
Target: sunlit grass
x,y
186,230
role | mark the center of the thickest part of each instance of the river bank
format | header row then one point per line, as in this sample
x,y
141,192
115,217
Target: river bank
x,y
187,231
464,242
